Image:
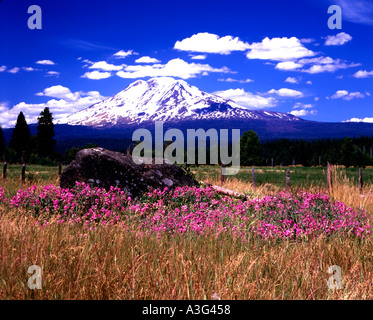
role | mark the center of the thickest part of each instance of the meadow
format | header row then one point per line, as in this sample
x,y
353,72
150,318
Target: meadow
x,y
191,244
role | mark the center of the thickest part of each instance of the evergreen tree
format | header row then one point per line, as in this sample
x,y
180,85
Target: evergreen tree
x,y
21,136
251,149
45,134
2,144
347,152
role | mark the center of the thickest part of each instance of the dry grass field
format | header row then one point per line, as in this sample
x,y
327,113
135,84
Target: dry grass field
x,y
113,262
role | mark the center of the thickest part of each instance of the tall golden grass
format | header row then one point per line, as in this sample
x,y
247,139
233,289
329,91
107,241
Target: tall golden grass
x,y
109,263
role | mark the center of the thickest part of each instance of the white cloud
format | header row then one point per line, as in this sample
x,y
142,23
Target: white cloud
x,y
53,73
338,40
3,107
366,120
285,92
65,104
96,75
123,54
325,64
291,80
104,66
317,65
147,59
211,43
235,80
2,68
309,82
29,69
363,74
278,49
247,99
14,70
174,68
300,105
344,94
59,92
303,112
45,62
288,66
303,109
198,57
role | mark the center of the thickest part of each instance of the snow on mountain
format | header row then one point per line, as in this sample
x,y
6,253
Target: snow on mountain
x,y
164,99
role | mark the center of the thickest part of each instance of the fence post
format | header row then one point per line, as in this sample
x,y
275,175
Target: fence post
x,y
4,168
222,174
288,178
23,172
361,180
253,177
329,178
272,162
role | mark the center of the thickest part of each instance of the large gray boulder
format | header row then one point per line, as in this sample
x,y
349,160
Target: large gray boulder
x,y
105,168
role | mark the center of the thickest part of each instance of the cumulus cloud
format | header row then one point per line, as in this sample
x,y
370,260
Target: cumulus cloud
x,y
247,99
363,74
315,65
104,66
14,70
303,112
64,103
288,66
344,94
285,92
2,68
147,59
198,57
53,73
96,75
59,92
278,49
303,109
338,40
366,120
211,43
174,68
300,105
29,69
291,80
123,54
45,62
235,80
3,107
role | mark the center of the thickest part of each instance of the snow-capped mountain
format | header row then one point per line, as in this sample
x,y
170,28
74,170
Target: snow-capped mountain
x,y
168,100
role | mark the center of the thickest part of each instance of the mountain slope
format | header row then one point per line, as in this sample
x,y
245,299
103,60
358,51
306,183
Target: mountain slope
x,y
168,100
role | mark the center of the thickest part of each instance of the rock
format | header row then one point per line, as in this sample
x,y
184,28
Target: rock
x,y
104,168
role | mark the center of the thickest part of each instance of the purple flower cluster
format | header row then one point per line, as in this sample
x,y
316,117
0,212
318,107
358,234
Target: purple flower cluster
x,y
194,210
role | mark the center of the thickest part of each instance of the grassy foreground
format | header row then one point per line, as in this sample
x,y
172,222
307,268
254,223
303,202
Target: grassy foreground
x,y
108,262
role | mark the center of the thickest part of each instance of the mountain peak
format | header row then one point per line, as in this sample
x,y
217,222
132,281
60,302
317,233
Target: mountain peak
x,y
165,99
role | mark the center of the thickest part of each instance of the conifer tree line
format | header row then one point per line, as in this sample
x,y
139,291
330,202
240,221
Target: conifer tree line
x,y
25,147
40,148
356,152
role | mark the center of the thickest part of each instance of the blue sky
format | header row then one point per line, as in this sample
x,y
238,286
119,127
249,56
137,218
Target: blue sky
x,y
268,54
